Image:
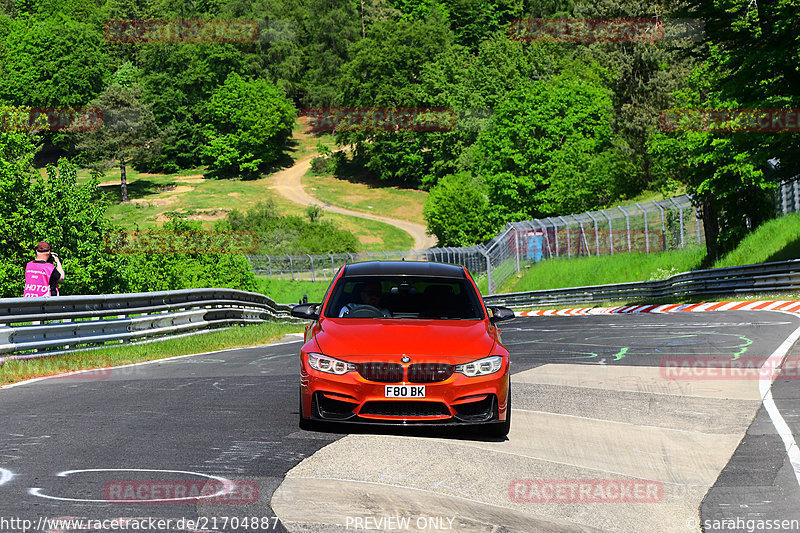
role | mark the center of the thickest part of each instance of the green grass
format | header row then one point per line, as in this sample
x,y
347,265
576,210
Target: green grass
x,y
368,197
236,337
154,197
775,240
288,291
605,269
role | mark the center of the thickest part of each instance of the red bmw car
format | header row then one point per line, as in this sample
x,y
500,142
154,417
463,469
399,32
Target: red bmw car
x,y
400,342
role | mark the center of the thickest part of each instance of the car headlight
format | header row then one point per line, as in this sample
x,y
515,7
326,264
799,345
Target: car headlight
x,y
481,367
323,363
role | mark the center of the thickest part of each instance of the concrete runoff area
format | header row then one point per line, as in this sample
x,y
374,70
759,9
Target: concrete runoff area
x,y
571,422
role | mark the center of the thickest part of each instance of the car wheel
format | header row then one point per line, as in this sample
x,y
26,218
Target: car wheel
x,y
501,429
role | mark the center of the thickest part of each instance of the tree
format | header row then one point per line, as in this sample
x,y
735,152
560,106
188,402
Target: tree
x,y
246,127
128,131
550,150
55,209
385,71
642,74
177,83
51,62
749,61
457,211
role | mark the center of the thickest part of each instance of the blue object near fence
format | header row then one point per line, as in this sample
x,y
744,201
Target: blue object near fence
x,y
535,241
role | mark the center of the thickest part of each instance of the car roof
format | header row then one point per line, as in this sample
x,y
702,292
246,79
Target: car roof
x,y
404,268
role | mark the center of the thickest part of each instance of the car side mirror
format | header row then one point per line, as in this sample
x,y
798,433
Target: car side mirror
x,y
308,311
500,313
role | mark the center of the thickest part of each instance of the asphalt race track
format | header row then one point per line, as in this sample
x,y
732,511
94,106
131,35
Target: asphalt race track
x,y
592,407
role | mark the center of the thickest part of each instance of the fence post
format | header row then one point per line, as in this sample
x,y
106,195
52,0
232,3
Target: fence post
x,y
596,235
516,243
784,197
488,271
680,212
555,232
610,232
291,266
796,190
386,254
569,241
582,235
269,263
663,227
546,238
646,229
627,225
312,267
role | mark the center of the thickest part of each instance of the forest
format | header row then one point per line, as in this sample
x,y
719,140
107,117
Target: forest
x,y
546,122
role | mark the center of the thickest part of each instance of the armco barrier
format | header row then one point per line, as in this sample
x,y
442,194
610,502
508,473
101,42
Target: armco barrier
x,y
742,280
38,327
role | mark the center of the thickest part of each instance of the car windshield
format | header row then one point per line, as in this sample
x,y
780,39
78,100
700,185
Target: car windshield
x,y
398,297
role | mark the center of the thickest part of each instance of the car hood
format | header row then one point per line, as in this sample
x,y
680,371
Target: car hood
x,y
431,339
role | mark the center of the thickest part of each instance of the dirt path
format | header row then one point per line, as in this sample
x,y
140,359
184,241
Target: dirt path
x,y
288,183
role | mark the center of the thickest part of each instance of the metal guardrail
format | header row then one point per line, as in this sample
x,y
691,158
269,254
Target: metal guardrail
x,y
38,327
763,277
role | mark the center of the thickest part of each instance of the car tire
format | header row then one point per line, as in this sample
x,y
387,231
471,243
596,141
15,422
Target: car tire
x,y
305,423
501,429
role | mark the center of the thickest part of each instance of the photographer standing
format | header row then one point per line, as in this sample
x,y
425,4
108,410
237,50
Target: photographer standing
x,y
43,273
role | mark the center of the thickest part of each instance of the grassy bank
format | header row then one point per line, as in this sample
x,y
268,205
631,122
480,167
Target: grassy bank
x,y
237,337
776,240
605,269
288,291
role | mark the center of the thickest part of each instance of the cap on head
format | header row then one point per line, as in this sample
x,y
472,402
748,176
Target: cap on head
x,y
42,247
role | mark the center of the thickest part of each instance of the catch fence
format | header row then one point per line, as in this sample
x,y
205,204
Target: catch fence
x,y
642,227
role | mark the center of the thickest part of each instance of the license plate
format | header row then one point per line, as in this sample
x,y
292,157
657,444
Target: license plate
x,y
405,391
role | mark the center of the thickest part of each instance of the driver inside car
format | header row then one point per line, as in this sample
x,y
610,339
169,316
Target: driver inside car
x,y
367,294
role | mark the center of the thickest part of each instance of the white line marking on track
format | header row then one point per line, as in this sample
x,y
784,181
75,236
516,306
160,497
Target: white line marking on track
x,y
765,389
227,486
5,476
